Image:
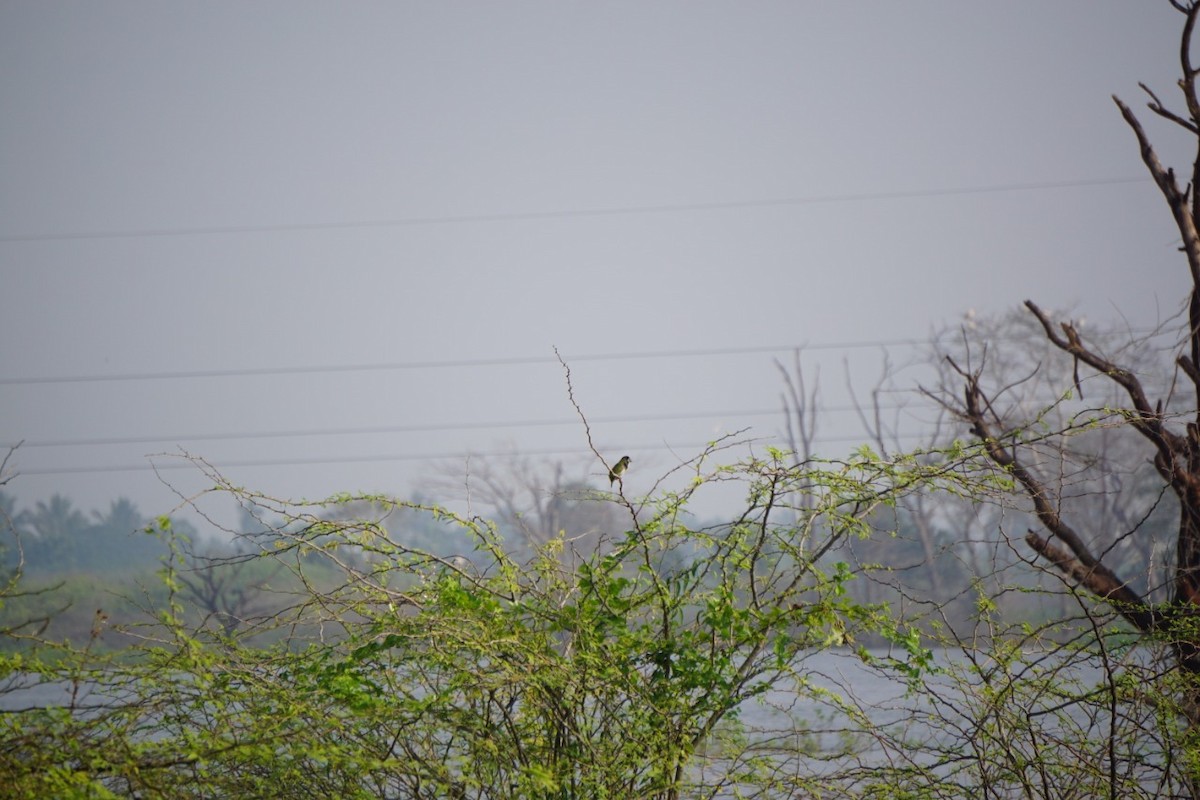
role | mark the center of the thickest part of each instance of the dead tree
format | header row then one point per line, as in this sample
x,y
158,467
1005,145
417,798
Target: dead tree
x,y
228,589
1173,439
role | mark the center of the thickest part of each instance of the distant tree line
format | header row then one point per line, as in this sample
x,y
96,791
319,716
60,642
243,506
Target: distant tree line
x,y
54,536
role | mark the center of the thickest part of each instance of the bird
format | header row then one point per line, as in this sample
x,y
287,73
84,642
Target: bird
x,y
617,470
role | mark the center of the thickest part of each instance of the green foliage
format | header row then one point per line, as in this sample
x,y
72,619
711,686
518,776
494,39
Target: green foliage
x,y
364,666
395,671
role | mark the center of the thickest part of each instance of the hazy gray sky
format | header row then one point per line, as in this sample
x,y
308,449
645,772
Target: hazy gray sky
x,y
224,187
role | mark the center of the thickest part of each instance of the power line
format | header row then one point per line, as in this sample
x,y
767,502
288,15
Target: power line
x,y
147,233
383,429
463,363
184,463
425,427
450,363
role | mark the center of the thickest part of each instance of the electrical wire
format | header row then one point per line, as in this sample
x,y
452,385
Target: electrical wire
x,y
422,428
519,216
385,429
468,363
181,462
455,363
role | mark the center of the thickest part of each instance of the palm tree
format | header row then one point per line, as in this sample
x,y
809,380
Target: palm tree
x,y
54,525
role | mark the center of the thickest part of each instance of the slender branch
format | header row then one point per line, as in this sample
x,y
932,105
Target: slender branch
x,y
1100,582
1164,177
1157,107
587,428
1185,60
1079,563
1147,419
5,478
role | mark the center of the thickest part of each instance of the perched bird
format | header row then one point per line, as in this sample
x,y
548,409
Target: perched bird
x,y
618,470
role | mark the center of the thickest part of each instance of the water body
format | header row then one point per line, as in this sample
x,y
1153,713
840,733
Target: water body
x,y
843,715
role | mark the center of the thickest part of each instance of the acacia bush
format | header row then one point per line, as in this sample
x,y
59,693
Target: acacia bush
x,y
673,660
395,672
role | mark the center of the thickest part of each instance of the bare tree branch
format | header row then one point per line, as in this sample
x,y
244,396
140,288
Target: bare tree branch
x,y
5,476
1147,420
1080,563
1157,107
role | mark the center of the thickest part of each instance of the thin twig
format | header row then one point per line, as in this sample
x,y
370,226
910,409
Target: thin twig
x,y
587,428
